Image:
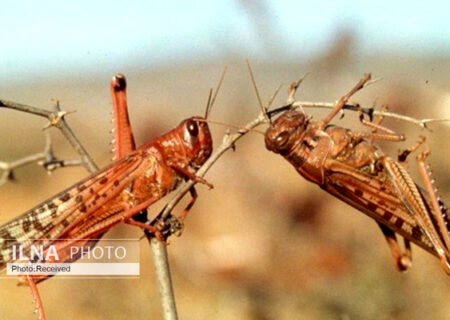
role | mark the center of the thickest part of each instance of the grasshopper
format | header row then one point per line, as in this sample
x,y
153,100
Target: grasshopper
x,y
84,212
352,168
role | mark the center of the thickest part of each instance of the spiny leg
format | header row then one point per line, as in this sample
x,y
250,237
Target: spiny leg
x,y
124,140
173,224
146,227
425,173
379,132
435,208
127,217
37,298
402,260
378,136
189,206
412,200
376,126
188,174
433,200
343,100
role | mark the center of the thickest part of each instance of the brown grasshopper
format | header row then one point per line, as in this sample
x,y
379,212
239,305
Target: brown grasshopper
x,y
351,167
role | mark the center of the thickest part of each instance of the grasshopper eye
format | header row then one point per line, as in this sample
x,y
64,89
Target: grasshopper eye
x,y
192,128
282,139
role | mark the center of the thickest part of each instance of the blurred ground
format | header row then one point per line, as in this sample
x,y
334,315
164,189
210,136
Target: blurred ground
x,y
264,243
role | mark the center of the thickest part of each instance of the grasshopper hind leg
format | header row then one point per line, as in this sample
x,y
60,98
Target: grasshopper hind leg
x,y
423,205
437,208
402,260
37,297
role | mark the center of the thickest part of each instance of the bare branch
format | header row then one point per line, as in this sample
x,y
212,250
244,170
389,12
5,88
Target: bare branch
x,y
7,168
56,119
372,81
24,108
46,159
369,111
162,271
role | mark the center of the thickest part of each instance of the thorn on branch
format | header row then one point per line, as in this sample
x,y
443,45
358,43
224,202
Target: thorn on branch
x,y
55,118
226,139
293,88
370,82
57,105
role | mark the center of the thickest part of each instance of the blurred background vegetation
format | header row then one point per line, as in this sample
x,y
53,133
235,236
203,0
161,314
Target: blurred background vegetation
x,y
264,243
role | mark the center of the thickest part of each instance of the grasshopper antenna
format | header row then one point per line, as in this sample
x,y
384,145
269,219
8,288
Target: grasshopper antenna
x,y
252,76
212,97
208,103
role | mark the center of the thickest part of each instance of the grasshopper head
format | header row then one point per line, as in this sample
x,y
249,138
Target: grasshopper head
x,y
285,131
197,139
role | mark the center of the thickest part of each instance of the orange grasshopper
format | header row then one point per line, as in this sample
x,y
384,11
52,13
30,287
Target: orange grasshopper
x,y
349,166
82,213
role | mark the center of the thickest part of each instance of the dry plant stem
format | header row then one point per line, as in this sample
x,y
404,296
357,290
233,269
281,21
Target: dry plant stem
x,y
45,159
40,157
56,119
8,167
162,271
228,143
355,107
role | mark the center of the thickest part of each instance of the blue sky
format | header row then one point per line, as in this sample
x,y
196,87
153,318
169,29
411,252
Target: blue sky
x,y
37,36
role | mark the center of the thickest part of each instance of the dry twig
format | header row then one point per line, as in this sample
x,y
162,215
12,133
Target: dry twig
x,y
56,119
46,159
371,112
